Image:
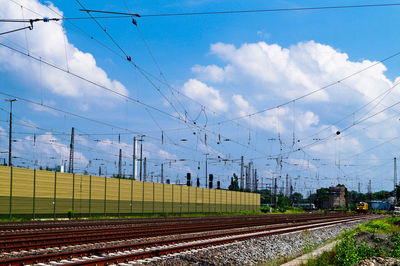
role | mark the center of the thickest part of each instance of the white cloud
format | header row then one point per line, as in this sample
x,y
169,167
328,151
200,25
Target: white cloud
x,y
271,70
274,120
306,120
302,164
211,73
204,94
50,42
46,147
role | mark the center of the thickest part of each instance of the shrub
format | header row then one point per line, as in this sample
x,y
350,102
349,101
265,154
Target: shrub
x,y
70,214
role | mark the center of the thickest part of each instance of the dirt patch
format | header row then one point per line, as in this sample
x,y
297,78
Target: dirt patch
x,y
374,240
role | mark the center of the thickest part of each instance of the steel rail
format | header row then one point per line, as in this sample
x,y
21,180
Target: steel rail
x,y
96,236
99,251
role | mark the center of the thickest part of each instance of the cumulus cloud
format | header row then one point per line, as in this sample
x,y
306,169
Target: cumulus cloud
x,y
274,120
301,163
212,73
47,147
50,42
271,70
204,94
257,76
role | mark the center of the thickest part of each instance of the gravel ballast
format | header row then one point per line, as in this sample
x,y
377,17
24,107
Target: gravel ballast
x,y
277,248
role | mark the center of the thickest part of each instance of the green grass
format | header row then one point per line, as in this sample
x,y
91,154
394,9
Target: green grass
x,y
14,219
326,258
349,252
294,210
286,210
382,226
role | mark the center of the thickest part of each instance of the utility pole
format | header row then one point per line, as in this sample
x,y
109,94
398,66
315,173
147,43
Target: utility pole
x,y
10,133
255,181
141,156
206,171
120,163
369,190
287,185
395,180
248,176
275,190
71,152
359,187
134,167
241,173
162,173
144,170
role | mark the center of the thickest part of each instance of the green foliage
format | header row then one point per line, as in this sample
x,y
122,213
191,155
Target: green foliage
x,y
349,253
319,197
326,258
354,196
297,197
289,210
234,183
294,210
395,252
71,214
265,196
346,251
382,226
380,195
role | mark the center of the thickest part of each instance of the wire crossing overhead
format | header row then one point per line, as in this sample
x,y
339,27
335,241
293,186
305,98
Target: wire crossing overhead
x,y
242,11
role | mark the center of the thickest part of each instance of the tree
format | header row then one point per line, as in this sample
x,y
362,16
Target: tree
x,y
319,197
265,196
296,197
380,195
234,186
283,202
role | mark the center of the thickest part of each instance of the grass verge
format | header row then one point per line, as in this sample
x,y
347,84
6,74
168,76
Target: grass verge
x,y
374,238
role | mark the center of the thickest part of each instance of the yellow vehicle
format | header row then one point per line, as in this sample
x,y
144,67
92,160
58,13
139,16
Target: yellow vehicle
x,y
362,207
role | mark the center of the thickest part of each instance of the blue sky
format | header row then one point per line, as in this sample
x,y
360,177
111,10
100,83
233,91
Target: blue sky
x,y
213,68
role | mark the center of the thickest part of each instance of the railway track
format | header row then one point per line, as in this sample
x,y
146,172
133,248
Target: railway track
x,y
136,251
67,237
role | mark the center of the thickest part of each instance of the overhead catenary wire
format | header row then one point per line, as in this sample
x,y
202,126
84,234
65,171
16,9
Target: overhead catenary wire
x,y
244,11
297,98
142,71
107,89
303,96
180,117
119,15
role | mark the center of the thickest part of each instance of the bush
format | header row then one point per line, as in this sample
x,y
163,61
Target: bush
x,y
346,251
395,252
70,214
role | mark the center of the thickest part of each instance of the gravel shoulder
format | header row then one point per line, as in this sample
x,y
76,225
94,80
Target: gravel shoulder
x,y
270,250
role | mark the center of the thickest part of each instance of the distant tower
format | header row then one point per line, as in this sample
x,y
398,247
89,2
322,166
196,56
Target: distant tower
x,y
241,173
71,152
369,190
287,186
395,178
120,163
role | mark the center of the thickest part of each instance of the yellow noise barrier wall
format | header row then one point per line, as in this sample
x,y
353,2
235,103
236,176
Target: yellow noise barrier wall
x,y
36,193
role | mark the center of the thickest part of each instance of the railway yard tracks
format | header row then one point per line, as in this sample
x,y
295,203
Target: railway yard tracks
x,y
128,241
